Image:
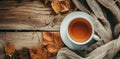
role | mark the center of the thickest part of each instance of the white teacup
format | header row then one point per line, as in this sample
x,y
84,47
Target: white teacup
x,y
74,38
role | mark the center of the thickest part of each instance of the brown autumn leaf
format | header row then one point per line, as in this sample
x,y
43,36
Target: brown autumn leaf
x,y
56,6
47,39
53,43
60,5
65,5
9,49
57,39
45,42
46,36
35,53
39,53
46,54
52,49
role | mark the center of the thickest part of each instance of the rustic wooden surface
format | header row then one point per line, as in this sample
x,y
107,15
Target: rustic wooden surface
x,y
22,39
28,16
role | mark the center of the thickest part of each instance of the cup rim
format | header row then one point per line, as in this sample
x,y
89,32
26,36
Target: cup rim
x,y
86,18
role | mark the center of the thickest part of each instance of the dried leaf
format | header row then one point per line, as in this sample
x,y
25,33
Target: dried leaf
x,y
45,42
47,39
56,6
9,49
36,53
46,36
39,53
57,40
60,5
45,54
64,8
52,49
65,5
54,45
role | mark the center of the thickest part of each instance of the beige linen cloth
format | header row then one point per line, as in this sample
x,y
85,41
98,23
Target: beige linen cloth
x,y
106,51
108,47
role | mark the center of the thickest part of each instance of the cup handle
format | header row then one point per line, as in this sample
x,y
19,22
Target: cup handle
x,y
96,37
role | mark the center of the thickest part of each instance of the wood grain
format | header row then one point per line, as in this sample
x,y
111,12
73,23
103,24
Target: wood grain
x,y
22,39
28,16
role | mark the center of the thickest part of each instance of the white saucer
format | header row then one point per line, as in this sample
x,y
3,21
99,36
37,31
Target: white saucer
x,y
63,30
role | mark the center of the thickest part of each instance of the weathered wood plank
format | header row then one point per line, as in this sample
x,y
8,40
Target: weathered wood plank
x,y
25,23
29,16
22,39
15,3
7,3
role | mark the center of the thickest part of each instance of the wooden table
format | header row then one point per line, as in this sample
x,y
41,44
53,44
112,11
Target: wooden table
x,y
28,16
25,21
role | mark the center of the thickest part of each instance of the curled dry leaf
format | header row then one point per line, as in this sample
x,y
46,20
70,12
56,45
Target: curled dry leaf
x,y
60,5
57,40
65,5
52,49
45,53
54,45
35,53
39,53
56,6
47,38
47,35
47,43
9,49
